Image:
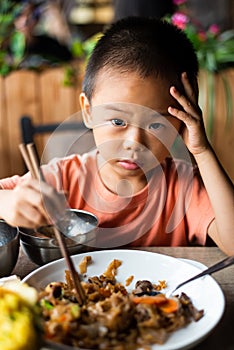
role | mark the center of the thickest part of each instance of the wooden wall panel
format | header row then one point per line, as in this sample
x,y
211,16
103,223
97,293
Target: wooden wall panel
x,y
4,141
222,137
21,91
44,97
58,102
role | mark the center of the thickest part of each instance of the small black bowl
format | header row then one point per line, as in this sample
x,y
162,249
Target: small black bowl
x,y
9,248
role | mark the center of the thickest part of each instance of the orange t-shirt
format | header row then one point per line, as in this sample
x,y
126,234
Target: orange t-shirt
x,y
172,210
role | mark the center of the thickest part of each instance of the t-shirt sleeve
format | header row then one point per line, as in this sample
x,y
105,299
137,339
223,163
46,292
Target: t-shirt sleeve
x,y
9,183
53,173
59,172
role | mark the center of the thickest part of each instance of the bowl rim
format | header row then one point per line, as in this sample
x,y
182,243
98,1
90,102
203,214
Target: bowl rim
x,y
16,233
85,212
28,235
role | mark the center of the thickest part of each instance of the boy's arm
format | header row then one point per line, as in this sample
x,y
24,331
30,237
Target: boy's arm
x,y
221,194
219,187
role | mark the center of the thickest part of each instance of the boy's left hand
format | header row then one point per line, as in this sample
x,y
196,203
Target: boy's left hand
x,y
193,133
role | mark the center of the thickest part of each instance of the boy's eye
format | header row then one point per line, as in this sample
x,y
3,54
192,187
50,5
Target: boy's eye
x,y
156,126
118,122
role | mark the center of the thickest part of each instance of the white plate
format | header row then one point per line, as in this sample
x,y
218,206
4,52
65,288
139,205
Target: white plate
x,y
204,292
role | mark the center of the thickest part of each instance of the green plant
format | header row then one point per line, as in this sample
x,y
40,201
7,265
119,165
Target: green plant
x,y
13,46
81,50
12,43
84,49
215,50
215,53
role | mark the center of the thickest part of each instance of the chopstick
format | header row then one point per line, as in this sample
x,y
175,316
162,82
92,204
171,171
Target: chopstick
x,y
27,160
30,156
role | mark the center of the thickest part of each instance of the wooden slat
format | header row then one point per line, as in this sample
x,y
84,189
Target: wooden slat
x,y
222,138
4,140
224,130
58,102
21,92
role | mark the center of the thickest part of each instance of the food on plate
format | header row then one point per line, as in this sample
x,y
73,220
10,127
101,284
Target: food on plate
x,y
19,317
113,317
84,264
112,268
129,280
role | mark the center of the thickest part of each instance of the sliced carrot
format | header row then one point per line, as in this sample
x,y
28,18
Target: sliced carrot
x,y
166,305
170,306
158,299
62,318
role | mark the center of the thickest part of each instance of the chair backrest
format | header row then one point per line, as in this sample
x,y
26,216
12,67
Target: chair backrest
x,y
61,139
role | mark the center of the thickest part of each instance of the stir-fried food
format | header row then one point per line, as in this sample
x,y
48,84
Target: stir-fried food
x,y
113,318
19,317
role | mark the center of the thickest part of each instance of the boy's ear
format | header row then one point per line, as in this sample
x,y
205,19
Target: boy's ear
x,y
85,108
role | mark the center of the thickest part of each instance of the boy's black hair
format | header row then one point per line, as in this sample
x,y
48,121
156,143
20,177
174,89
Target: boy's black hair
x,y
148,46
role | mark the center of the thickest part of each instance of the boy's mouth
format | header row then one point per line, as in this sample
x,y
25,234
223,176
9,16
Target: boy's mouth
x,y
128,164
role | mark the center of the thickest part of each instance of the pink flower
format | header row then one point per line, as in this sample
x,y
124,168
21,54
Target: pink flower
x,y
179,2
214,29
180,20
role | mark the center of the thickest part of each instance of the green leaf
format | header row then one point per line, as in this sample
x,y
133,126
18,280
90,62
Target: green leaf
x,y
17,46
70,76
75,310
90,43
227,35
46,304
77,49
4,69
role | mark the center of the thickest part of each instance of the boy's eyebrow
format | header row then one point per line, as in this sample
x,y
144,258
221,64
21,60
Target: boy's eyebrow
x,y
161,114
113,107
164,114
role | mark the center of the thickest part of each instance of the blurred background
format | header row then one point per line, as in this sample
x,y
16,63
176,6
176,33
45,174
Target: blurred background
x,y
89,16
86,17
27,24
45,45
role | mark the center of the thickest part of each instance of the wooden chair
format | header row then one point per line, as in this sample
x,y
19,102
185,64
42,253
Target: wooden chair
x,y
56,139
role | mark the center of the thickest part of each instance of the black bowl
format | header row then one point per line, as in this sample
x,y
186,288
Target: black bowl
x,y
9,248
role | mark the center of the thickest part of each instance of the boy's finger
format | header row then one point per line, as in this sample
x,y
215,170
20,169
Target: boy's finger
x,y
183,100
184,117
190,93
48,201
28,216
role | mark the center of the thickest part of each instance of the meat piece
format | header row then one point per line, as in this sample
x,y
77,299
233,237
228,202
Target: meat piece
x,y
143,287
187,303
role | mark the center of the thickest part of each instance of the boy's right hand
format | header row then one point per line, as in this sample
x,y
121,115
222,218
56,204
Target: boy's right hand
x,y
193,133
27,204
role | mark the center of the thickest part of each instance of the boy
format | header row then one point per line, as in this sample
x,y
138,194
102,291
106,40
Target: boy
x,y
140,90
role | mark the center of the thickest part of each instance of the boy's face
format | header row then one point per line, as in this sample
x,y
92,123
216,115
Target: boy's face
x,y
131,124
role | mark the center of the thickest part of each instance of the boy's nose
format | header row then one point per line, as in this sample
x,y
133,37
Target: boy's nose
x,y
133,139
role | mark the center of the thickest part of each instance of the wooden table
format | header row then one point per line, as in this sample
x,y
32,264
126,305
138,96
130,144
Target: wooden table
x,y
222,337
